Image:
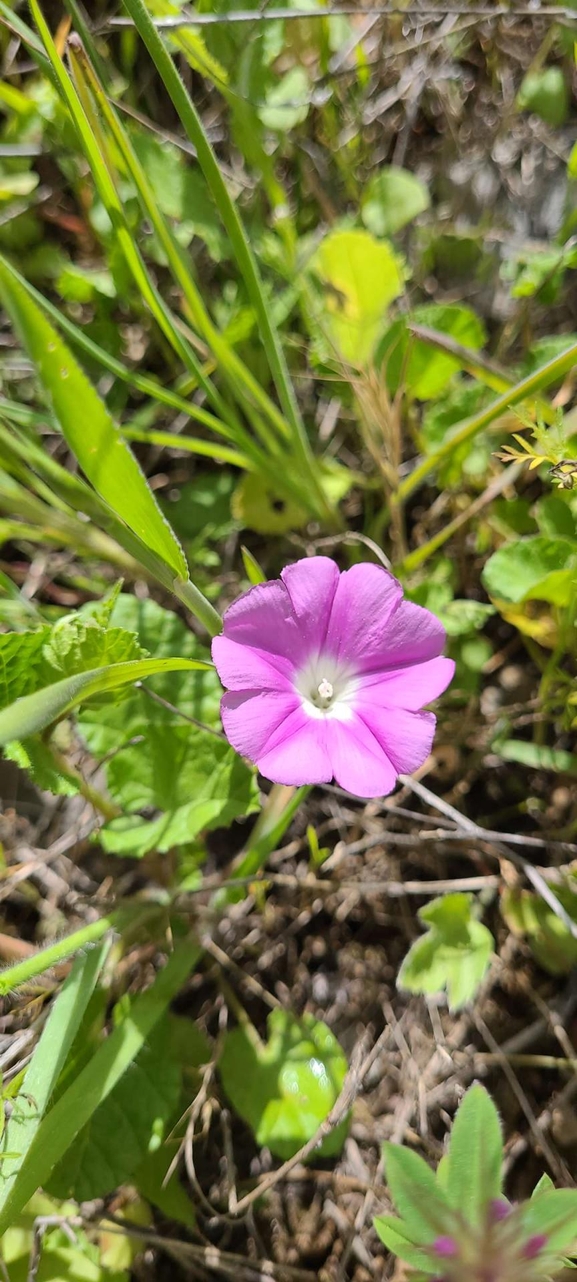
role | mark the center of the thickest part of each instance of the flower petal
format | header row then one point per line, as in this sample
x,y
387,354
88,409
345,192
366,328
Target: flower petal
x,y
298,753
251,718
411,687
246,667
358,761
263,617
311,584
405,737
365,598
412,635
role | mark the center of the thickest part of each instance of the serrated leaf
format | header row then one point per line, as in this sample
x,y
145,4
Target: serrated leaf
x,y
454,954
196,693
194,778
36,758
475,1156
21,663
130,1123
77,644
360,276
422,1204
285,1087
33,712
88,428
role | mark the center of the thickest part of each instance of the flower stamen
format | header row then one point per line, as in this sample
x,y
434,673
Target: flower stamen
x,y
325,691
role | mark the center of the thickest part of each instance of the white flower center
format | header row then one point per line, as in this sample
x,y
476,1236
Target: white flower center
x,y
326,688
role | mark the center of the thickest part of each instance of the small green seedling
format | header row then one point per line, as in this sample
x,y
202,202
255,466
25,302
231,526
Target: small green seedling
x,y
456,1226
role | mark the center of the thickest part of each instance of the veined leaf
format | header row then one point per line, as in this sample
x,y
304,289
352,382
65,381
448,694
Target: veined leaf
x,y
88,428
36,711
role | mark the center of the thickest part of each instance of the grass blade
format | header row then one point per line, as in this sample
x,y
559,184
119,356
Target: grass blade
x,y
48,1060
88,428
33,712
229,215
75,1107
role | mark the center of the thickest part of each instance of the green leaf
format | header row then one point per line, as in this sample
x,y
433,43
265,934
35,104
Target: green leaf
x,y
535,755
130,1123
194,778
88,428
22,664
392,198
553,1212
194,693
425,1209
545,93
257,507
475,1156
538,568
46,1065
252,569
284,1088
454,954
37,760
529,917
287,102
359,276
554,517
33,712
77,644
75,1107
422,368
398,1238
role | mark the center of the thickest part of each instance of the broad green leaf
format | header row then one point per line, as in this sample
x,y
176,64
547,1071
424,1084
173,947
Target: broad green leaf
x,y
287,102
36,758
530,569
553,1212
392,198
195,694
529,917
61,1125
193,777
77,644
33,712
359,276
88,428
285,1087
545,93
475,1156
423,369
543,1185
398,1238
130,1123
454,954
22,663
555,517
256,506
536,755
422,1204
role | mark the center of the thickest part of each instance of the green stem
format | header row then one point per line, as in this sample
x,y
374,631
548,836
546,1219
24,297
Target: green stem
x,y
25,971
104,807
198,605
472,426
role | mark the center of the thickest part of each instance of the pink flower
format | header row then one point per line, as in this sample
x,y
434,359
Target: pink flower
x,y
326,673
